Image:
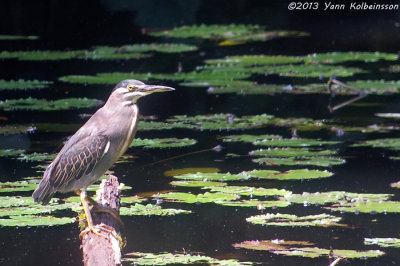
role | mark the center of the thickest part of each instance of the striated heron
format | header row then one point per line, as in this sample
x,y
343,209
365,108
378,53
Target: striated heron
x,y
96,145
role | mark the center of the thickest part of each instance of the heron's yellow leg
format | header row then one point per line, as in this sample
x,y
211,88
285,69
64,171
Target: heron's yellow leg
x,y
98,208
88,216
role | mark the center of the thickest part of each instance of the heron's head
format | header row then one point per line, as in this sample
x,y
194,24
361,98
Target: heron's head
x,y
130,90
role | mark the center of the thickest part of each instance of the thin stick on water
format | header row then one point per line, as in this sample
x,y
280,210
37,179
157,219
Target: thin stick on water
x,y
216,148
344,85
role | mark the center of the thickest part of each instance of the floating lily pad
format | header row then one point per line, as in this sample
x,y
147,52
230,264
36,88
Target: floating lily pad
x,y
4,37
320,161
387,143
367,207
229,34
34,220
17,186
322,198
341,57
298,174
37,157
23,84
47,105
139,258
221,177
150,209
162,143
134,51
199,198
291,152
10,152
288,248
16,129
259,204
386,242
255,60
191,170
249,191
280,219
197,183
388,115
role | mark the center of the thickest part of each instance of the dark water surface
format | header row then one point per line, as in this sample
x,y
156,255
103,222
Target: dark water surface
x,y
211,229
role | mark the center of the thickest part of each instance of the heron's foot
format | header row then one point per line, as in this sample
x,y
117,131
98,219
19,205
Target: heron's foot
x,y
97,229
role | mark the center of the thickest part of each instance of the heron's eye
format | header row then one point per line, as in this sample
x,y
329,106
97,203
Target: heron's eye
x,y
131,87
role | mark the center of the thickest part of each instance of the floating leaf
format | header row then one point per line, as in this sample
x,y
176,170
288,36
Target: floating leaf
x,y
255,60
388,115
249,191
367,207
221,177
315,161
232,33
200,198
150,209
291,152
322,198
298,174
134,51
18,186
197,183
288,248
4,37
16,129
47,105
10,152
386,242
37,157
23,84
388,143
280,219
34,220
139,258
342,57
162,143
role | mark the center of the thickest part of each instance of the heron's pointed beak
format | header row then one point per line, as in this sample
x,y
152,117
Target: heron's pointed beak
x,y
148,89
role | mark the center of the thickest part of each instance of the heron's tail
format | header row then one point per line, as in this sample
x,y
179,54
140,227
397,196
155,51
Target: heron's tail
x,y
43,192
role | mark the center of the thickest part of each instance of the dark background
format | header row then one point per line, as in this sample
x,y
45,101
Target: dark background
x,y
79,24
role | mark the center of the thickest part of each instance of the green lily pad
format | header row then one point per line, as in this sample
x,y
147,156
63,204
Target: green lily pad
x,y
140,258
291,152
387,143
18,186
162,143
291,248
134,51
16,129
10,152
221,177
4,37
298,174
36,157
341,57
233,33
150,209
249,191
367,207
23,84
314,161
281,219
322,198
386,242
185,183
259,204
249,138
199,198
294,142
255,60
388,115
47,105
34,220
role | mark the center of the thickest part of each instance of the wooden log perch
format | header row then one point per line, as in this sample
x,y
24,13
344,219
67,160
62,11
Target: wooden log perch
x,y
98,250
